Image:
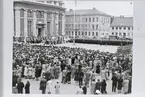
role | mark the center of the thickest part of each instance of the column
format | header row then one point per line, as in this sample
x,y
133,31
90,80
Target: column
x,y
17,19
52,24
57,23
63,24
45,22
34,23
25,24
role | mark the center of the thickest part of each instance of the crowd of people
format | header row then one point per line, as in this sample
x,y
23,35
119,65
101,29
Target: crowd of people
x,y
44,63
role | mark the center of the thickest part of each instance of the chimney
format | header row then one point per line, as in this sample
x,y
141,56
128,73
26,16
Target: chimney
x,y
94,8
71,10
121,16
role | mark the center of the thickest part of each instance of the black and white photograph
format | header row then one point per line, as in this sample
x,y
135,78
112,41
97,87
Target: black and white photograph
x,y
72,47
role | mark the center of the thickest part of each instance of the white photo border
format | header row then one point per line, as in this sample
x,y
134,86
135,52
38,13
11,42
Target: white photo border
x,y
138,87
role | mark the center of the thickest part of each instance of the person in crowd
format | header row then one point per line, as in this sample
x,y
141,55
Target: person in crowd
x,y
114,82
64,72
103,87
20,86
125,85
130,85
27,88
49,86
93,84
82,64
98,85
57,88
120,84
87,78
43,84
80,77
79,91
84,88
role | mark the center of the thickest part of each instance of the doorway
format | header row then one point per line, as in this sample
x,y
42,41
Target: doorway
x,y
39,32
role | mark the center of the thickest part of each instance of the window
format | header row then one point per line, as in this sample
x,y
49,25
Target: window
x,y
96,33
82,33
89,33
120,28
75,33
79,33
48,28
116,34
112,28
97,19
22,27
40,14
72,33
128,28
93,27
86,19
92,33
93,19
54,2
60,16
86,33
116,28
29,13
124,28
124,35
89,19
119,34
112,33
128,34
29,24
22,13
96,26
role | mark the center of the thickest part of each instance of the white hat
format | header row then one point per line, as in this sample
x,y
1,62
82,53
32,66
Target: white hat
x,y
97,92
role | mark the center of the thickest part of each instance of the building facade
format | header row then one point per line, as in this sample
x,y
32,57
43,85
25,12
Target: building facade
x,y
122,27
38,18
90,23
94,24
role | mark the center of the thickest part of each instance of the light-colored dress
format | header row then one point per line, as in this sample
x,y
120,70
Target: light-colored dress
x,y
57,89
93,84
48,87
79,91
26,71
125,85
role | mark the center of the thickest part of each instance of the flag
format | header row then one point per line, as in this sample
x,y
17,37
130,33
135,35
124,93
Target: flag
x,y
75,2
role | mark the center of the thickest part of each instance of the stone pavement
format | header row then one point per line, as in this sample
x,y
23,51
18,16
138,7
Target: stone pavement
x,y
64,88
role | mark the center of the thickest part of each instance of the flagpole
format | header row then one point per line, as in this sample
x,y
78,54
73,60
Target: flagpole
x,y
75,1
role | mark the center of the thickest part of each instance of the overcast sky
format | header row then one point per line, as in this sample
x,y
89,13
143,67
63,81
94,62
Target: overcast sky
x,y
115,8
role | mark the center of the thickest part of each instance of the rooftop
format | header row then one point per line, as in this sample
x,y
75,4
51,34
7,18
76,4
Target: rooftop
x,y
86,12
122,21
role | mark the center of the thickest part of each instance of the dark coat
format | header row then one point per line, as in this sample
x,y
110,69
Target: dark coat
x,y
43,84
84,90
103,86
20,87
98,69
98,86
120,84
27,88
114,80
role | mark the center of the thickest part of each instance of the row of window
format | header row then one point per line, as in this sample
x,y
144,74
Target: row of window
x,y
82,33
88,19
82,26
129,28
39,14
121,34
